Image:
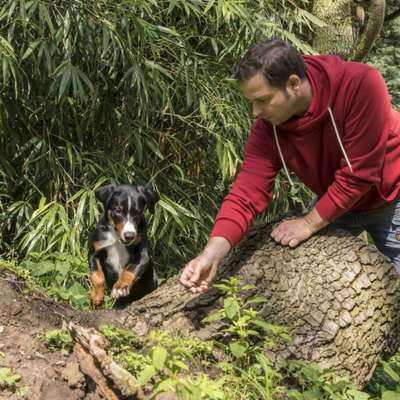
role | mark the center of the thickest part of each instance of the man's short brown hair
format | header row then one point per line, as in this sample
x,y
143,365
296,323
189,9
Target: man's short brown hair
x,y
273,58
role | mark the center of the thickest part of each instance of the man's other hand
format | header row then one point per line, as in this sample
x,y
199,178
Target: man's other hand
x,y
199,272
294,231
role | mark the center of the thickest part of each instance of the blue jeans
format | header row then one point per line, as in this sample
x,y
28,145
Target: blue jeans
x,y
383,224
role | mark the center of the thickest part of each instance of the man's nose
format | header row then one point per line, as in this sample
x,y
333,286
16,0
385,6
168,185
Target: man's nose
x,y
256,111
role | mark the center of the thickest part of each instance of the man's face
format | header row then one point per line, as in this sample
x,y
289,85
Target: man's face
x,y
275,105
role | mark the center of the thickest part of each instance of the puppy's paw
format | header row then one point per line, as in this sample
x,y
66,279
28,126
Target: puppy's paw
x,y
117,293
123,285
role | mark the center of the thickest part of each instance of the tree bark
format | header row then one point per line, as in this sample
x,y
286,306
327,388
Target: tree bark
x,y
91,350
343,35
374,26
339,298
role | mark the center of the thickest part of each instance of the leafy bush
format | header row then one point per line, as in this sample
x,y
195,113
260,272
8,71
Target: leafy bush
x,y
64,277
58,339
8,379
386,57
128,91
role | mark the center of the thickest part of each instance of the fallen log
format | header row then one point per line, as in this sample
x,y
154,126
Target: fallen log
x,y
339,298
91,349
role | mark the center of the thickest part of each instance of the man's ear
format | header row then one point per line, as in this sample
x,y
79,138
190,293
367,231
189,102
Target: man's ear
x,y
151,197
293,82
104,194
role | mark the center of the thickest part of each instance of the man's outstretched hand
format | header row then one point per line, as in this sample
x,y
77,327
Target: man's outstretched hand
x,y
294,231
199,272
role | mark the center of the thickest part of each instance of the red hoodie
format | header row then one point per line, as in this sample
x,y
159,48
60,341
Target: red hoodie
x,y
369,129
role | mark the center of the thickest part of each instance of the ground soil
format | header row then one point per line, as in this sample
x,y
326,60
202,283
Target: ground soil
x,y
46,374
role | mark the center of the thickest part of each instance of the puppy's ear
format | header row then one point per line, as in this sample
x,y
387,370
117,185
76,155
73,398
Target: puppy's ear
x,y
104,194
151,197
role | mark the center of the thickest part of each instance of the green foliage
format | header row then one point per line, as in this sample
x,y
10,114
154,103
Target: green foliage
x,y
386,57
317,383
237,366
64,277
8,379
121,339
248,334
162,360
132,92
58,339
385,383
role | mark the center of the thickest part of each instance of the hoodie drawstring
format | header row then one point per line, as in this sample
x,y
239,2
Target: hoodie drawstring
x,y
281,155
338,139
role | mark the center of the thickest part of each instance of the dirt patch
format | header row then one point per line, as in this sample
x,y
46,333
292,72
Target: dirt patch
x,y
45,375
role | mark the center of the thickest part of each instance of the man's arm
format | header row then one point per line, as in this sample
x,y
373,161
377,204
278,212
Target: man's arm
x,y
252,191
250,195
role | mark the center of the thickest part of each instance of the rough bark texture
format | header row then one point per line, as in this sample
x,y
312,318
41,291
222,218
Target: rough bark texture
x,y
90,348
341,34
336,37
339,298
374,26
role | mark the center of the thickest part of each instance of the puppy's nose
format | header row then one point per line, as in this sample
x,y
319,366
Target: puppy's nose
x,y
129,236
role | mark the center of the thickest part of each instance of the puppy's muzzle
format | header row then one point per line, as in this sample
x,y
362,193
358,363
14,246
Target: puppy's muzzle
x,y
129,237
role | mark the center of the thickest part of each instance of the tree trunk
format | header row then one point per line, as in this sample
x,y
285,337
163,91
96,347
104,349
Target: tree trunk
x,y
375,21
339,298
343,35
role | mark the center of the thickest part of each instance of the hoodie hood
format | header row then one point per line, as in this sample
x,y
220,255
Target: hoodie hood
x,y
325,74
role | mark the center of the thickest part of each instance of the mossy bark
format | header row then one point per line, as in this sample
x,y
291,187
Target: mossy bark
x,y
341,34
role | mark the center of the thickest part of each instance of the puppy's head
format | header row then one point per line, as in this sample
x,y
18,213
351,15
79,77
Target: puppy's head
x,y
124,206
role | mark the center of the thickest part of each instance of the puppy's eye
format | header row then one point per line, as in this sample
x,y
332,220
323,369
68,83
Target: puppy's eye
x,y
117,209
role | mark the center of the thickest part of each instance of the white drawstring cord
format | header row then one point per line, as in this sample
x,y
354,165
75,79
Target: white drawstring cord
x,y
282,159
338,138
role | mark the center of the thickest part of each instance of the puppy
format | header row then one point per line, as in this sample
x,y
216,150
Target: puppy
x,y
118,248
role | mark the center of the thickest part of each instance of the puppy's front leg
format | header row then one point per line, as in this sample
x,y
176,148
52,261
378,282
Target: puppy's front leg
x,y
97,280
124,284
130,275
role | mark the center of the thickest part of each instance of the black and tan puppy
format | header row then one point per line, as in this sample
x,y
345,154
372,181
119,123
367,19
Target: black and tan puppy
x,y
118,248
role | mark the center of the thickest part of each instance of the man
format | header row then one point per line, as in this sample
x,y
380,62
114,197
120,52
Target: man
x,y
332,123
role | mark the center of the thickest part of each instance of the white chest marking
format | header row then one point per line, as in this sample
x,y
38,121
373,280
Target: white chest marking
x,y
117,256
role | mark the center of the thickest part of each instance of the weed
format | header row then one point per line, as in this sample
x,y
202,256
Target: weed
x,y
8,379
58,339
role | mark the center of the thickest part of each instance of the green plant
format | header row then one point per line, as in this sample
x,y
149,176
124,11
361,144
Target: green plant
x,y
237,366
385,383
316,383
162,359
64,277
385,54
58,339
8,379
248,334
